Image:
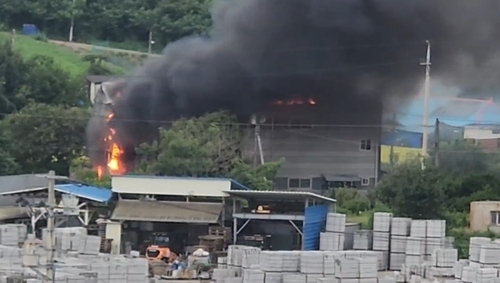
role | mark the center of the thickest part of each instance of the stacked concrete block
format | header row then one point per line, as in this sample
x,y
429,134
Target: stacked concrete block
x,y
329,263
222,262
415,250
294,278
12,234
435,236
489,254
273,277
444,258
250,257
475,244
271,261
346,268
219,275
381,231
313,278
400,230
234,255
330,241
333,238
468,274
290,261
311,262
253,276
363,240
89,244
484,275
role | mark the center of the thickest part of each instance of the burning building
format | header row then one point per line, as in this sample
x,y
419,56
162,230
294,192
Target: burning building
x,y
318,72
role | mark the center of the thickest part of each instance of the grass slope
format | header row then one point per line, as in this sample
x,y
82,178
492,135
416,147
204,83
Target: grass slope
x,y
65,58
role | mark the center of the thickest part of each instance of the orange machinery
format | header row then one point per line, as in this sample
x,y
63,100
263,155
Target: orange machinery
x,y
160,253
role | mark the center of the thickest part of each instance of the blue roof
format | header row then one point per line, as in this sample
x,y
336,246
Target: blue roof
x,y
86,192
452,111
235,185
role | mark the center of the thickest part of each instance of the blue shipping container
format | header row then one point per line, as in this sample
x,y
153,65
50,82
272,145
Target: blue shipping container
x,y
314,224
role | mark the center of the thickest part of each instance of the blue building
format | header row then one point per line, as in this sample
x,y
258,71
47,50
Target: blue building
x,y
453,113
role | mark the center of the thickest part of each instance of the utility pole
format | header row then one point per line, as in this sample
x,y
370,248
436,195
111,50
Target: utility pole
x,y
425,137
150,42
393,131
72,25
436,143
51,204
50,226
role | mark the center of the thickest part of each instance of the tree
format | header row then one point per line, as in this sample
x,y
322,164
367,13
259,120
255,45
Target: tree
x,y
82,170
413,192
47,83
208,146
13,75
463,157
8,164
46,137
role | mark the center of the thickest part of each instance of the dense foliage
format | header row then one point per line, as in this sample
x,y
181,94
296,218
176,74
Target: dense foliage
x,y
208,146
43,113
113,20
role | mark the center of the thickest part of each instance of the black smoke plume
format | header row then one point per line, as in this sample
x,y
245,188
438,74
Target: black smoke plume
x,y
348,54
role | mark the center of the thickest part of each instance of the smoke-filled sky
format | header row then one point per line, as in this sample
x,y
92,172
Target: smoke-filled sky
x,y
341,52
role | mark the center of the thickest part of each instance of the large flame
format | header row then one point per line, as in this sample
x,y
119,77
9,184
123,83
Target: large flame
x,y
295,101
115,165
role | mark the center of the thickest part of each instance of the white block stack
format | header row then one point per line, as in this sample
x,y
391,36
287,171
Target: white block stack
x,y
475,244
311,262
294,278
333,238
363,240
414,253
250,257
400,230
12,234
435,236
253,276
381,231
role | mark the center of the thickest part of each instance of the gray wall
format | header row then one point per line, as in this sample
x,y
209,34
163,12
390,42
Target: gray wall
x,y
18,182
331,146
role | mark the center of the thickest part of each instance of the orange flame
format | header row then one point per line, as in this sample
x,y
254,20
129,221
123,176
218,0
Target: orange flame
x,y
295,101
115,165
100,172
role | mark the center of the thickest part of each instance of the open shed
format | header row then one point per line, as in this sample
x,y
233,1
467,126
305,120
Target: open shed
x,y
305,211
32,202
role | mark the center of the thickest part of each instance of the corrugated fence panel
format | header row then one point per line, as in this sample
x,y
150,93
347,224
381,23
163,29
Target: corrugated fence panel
x,y
314,222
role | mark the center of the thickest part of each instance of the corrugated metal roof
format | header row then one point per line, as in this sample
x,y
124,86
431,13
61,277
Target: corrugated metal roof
x,y
280,195
79,190
156,211
234,184
12,212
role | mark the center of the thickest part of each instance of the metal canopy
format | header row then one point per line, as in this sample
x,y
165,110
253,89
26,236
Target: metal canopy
x,y
156,211
281,196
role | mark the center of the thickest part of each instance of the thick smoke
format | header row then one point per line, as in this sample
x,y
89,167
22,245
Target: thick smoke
x,y
348,54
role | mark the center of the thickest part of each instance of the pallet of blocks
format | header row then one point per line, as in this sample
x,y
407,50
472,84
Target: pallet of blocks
x,y
12,234
298,266
333,238
483,263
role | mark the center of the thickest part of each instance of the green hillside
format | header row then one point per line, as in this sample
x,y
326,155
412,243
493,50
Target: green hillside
x,y
68,60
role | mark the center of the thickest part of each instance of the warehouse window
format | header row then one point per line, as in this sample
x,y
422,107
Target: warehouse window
x,y
495,217
365,182
297,183
366,144
495,131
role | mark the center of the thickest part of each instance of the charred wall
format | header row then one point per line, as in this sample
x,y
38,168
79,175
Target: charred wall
x,y
317,141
